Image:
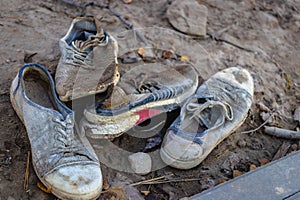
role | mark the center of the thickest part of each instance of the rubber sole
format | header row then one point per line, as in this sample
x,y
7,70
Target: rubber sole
x,y
116,125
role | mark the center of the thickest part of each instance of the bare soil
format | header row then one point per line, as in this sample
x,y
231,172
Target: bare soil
x,y
261,36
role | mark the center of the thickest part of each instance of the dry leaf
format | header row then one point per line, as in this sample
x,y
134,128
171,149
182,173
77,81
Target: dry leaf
x,y
236,173
221,181
43,188
141,51
145,192
184,58
252,167
168,54
105,186
127,1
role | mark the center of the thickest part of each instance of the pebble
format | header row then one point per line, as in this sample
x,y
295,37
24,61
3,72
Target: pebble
x,y
206,183
140,163
189,17
297,114
241,143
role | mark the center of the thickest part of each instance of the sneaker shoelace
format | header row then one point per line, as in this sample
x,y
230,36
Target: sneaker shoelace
x,y
80,50
196,110
68,146
65,130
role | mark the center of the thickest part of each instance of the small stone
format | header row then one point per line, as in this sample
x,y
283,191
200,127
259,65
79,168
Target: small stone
x,y
297,114
140,163
189,17
146,53
241,143
294,147
206,183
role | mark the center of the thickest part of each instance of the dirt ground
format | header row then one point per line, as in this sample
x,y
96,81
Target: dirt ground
x,y
262,36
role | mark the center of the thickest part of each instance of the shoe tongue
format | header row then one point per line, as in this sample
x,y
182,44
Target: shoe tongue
x,y
86,45
117,99
90,39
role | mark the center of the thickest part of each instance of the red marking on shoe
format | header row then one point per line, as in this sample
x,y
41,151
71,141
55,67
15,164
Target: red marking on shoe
x,y
146,114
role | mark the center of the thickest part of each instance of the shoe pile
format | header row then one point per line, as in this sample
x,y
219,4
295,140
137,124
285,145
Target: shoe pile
x,y
62,157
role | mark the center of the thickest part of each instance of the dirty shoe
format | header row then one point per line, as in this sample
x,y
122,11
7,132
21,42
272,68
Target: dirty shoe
x,y
62,158
217,109
88,62
143,92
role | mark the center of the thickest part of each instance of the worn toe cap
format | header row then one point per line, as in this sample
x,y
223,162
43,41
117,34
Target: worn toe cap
x,y
179,152
237,76
76,181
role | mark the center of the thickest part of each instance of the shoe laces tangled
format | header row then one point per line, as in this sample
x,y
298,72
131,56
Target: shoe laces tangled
x,y
195,109
210,115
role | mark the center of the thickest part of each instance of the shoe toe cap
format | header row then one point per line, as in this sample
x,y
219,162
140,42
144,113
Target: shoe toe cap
x,y
180,152
238,76
80,181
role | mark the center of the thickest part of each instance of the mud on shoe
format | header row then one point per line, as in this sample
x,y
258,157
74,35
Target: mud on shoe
x,y
143,92
62,158
88,63
218,108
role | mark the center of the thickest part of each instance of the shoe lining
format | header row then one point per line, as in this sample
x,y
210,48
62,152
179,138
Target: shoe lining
x,y
38,90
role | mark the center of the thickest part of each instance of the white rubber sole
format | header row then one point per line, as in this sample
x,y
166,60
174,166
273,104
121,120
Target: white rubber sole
x,y
114,126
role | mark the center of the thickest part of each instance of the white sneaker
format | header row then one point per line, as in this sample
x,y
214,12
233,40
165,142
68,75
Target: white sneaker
x,y
217,109
62,158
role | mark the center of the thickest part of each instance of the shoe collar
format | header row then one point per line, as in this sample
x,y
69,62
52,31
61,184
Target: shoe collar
x,y
64,110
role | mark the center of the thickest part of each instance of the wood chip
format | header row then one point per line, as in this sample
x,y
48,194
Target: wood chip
x,y
27,172
282,133
282,151
263,161
297,114
262,107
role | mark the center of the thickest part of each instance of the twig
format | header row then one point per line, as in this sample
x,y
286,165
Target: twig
x,y
27,171
259,127
282,133
207,4
158,180
171,181
114,12
146,181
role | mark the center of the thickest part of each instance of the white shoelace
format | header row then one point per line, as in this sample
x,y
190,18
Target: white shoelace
x,y
65,130
197,108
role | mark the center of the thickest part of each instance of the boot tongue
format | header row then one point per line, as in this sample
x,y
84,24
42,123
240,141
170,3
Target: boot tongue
x,y
117,99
